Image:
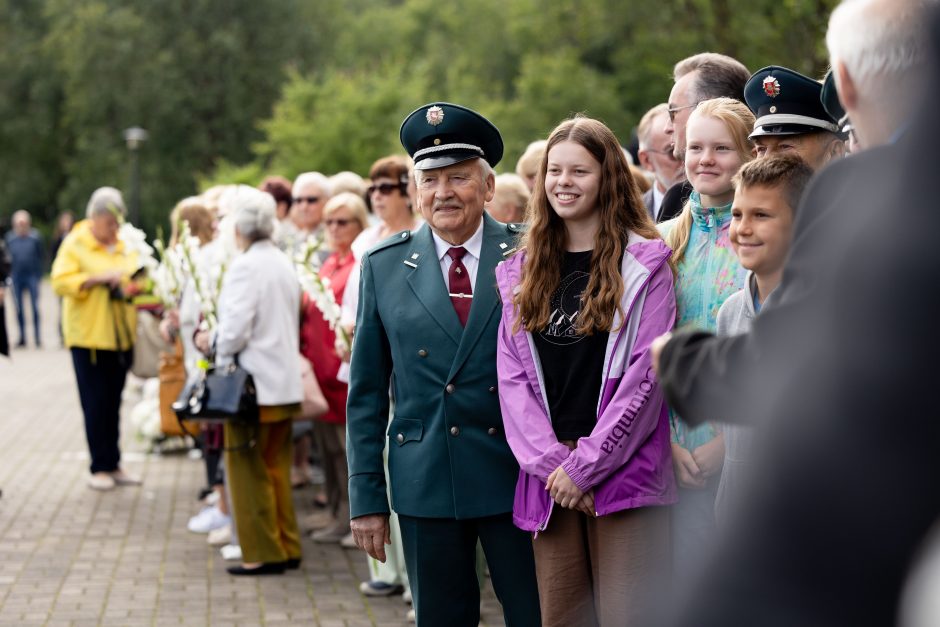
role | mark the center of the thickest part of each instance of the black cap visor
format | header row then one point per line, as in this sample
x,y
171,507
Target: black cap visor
x,y
441,160
784,129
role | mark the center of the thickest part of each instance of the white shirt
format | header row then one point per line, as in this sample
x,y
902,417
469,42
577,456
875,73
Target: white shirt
x,y
657,199
471,259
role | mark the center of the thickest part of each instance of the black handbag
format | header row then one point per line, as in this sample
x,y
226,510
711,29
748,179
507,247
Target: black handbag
x,y
220,394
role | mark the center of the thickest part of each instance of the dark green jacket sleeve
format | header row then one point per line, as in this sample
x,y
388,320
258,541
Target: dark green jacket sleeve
x,y
368,404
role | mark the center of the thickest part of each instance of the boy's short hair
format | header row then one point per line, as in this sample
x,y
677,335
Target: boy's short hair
x,y
788,172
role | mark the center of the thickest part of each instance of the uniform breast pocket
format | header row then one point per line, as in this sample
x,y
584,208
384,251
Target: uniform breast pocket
x,y
404,430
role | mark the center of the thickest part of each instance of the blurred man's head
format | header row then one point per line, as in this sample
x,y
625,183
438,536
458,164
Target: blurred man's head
x,y
701,77
655,153
509,200
878,49
21,222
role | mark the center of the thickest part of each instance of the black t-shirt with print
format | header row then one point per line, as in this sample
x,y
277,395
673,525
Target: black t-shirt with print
x,y
572,364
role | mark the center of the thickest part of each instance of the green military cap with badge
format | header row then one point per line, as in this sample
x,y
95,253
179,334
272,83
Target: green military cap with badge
x,y
440,134
786,103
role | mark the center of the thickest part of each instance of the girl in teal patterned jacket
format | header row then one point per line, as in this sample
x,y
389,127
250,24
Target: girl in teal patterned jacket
x,y
708,273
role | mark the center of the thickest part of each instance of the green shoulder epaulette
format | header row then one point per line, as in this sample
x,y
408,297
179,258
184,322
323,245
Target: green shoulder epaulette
x,y
393,240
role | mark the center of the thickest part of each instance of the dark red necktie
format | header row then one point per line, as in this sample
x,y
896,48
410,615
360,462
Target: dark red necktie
x,y
458,279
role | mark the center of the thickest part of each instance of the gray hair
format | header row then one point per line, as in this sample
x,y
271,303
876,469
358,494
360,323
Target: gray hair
x,y
645,128
347,181
719,76
106,200
879,42
531,159
254,212
313,178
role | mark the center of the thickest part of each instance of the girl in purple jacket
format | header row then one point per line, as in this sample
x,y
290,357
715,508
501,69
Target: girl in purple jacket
x,y
588,291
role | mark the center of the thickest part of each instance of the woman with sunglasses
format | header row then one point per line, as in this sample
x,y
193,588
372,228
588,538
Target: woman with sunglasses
x,y
345,217
389,198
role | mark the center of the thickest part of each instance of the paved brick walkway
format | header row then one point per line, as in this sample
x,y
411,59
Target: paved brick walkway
x,y
72,556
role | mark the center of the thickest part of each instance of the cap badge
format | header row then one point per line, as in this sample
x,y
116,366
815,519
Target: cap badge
x,y
771,86
434,116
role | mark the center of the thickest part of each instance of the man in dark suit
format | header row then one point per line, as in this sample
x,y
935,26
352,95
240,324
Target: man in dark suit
x,y
429,312
838,368
700,77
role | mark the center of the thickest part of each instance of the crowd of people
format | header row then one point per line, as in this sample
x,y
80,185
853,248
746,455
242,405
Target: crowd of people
x,y
495,387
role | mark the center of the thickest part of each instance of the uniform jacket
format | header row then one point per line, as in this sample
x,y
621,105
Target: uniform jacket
x,y
627,458
90,317
259,320
448,456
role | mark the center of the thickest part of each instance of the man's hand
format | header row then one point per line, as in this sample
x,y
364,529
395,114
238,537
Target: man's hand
x,y
688,473
563,490
371,533
656,349
710,456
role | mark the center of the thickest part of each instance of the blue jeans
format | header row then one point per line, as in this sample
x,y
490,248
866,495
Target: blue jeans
x,y
23,283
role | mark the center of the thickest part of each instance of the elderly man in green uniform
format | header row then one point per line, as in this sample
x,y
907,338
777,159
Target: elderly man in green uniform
x,y
429,312
791,117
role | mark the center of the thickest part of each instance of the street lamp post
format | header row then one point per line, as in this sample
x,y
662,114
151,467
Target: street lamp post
x,y
135,137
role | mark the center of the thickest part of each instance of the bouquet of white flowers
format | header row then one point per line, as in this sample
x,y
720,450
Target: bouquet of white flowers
x,y
318,288
168,276
206,281
135,241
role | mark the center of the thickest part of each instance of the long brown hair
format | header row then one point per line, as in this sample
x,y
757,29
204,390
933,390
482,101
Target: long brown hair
x,y
621,210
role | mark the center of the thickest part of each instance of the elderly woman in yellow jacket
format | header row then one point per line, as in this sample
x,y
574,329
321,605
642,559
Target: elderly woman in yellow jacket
x,y
90,272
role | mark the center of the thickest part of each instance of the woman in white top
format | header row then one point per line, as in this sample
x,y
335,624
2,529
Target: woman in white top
x,y
259,318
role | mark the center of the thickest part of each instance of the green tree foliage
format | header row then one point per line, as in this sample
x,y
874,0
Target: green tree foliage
x,y
236,89
526,64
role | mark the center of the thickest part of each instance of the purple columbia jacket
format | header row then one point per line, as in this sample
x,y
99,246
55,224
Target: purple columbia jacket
x,y
627,459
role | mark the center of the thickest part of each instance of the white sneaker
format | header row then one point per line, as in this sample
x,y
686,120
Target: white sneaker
x,y
406,595
122,478
220,536
410,616
208,519
212,498
231,552
101,481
